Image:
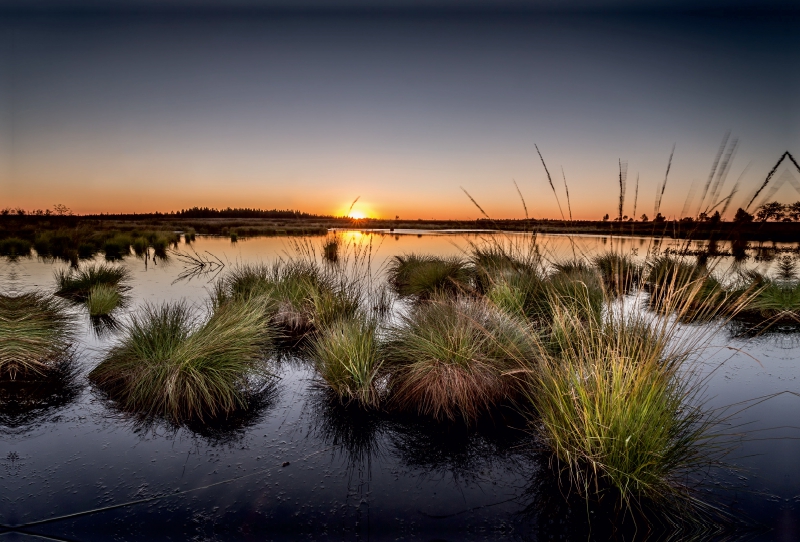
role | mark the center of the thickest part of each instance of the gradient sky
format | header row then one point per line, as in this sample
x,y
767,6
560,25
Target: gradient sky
x,y
120,111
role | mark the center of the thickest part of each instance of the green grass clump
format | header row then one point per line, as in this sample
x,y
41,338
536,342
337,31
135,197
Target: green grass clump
x,y
619,411
76,283
141,246
768,300
347,356
117,247
35,333
449,357
579,288
15,247
103,300
423,276
169,364
619,272
301,295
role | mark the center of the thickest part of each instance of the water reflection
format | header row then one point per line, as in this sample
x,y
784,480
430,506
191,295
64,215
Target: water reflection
x,y
220,430
30,399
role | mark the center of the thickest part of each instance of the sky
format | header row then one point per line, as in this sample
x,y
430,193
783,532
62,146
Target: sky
x,y
123,110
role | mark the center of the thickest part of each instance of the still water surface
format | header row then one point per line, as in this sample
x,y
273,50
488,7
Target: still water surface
x,y
298,466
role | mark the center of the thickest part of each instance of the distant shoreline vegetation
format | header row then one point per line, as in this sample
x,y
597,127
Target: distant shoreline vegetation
x,y
19,228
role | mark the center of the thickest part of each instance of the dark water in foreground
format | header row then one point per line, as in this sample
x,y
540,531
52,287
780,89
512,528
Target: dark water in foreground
x,y
299,467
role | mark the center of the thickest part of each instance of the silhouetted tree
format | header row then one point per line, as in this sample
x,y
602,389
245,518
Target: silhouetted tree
x,y
742,217
772,210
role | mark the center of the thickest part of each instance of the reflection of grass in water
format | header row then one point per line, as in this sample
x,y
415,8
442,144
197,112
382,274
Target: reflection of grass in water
x,y
32,397
355,432
168,365
76,284
35,333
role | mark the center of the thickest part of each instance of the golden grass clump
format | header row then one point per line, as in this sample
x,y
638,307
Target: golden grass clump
x,y
36,331
302,297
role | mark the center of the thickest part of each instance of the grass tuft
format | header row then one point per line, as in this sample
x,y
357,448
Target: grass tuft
x,y
35,333
448,358
168,364
76,284
103,300
619,272
347,356
421,276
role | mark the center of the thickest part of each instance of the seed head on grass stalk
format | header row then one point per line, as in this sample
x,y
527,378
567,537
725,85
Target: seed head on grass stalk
x,y
169,364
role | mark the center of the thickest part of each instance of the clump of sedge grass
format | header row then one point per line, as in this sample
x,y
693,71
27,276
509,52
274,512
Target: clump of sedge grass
x,y
76,284
347,356
423,276
301,296
169,364
103,300
769,300
620,404
619,272
35,333
576,286
449,357
117,247
618,408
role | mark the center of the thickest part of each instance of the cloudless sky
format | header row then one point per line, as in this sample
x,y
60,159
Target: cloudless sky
x,y
121,111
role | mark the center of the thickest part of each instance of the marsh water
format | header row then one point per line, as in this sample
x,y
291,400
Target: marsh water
x,y
297,465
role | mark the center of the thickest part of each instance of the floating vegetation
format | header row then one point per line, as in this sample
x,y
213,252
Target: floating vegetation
x,y
169,364
347,355
76,284
448,359
425,276
36,331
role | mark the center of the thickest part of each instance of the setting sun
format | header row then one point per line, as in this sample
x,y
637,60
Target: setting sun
x,y
358,215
